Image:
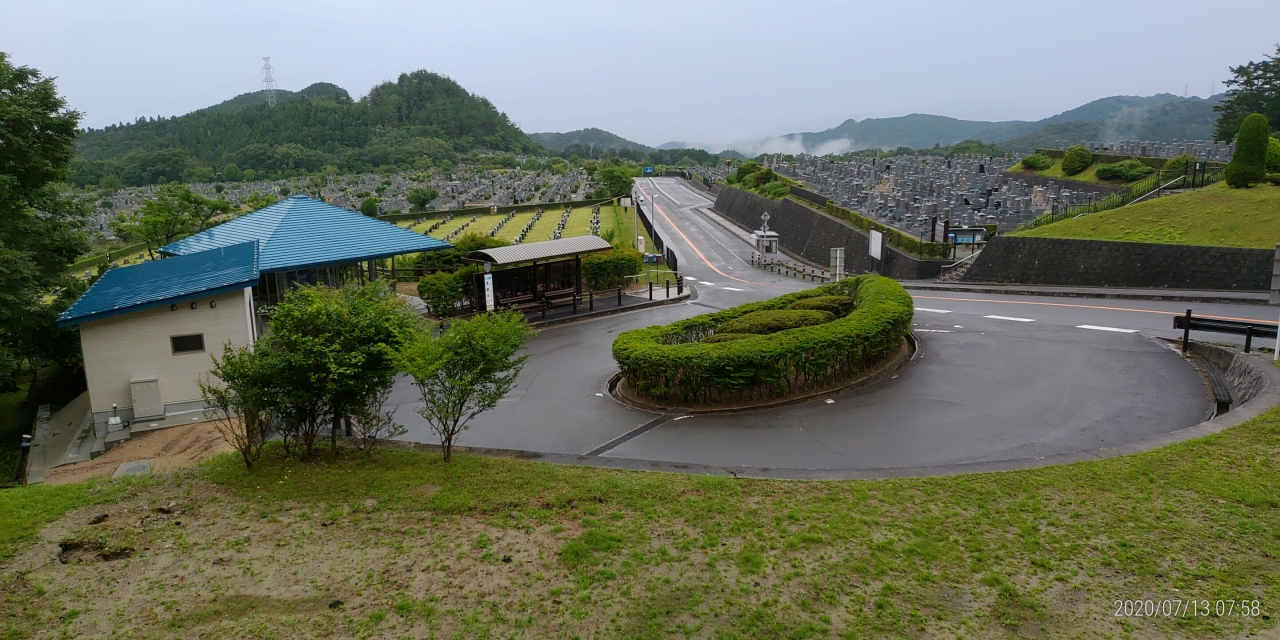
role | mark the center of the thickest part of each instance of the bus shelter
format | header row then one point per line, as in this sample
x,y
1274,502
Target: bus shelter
x,y
531,275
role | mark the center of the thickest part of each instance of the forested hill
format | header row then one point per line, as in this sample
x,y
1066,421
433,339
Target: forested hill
x,y
422,119
586,137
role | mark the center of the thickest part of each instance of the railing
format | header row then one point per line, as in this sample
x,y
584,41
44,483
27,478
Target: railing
x,y
1190,178
789,268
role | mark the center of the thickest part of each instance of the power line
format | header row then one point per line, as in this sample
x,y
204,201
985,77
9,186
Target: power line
x,y
268,83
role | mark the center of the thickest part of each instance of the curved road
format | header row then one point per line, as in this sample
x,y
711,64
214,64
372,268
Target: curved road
x,y
997,379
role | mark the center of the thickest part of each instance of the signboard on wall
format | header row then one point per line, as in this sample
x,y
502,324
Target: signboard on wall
x,y
877,240
488,292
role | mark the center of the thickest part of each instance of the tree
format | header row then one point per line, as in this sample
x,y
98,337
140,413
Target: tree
x,y
175,211
244,406
1252,88
615,181
1076,159
420,197
466,371
41,231
373,423
441,291
1248,164
1273,155
369,207
334,349
232,173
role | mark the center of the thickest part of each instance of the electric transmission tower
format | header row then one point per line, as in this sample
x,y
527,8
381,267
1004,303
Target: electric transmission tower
x,y
268,82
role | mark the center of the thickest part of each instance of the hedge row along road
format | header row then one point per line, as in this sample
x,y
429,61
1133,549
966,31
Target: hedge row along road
x,y
805,350
999,378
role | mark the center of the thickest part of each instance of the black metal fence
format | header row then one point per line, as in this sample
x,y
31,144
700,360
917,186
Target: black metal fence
x,y
659,245
1193,176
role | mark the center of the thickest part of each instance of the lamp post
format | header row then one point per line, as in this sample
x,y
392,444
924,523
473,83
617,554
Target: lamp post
x,y
635,229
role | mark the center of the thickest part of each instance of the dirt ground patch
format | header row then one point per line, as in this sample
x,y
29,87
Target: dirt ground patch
x,y
171,448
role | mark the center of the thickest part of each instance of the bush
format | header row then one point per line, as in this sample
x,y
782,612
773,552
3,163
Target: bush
x,y
773,321
1125,170
610,269
775,190
1179,164
1249,164
726,337
1075,160
669,363
1037,162
1274,178
441,291
835,305
896,238
1273,155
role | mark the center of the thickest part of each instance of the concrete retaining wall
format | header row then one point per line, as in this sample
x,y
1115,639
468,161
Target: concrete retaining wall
x,y
1101,263
811,235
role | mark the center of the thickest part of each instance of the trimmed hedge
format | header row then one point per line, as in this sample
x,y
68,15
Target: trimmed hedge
x,y
726,337
836,305
669,363
1075,160
1037,162
610,269
1125,170
775,320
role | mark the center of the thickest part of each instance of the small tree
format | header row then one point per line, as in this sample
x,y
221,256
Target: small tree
x,y
243,406
420,197
1248,165
466,371
1075,160
372,423
1273,155
441,291
369,207
1037,162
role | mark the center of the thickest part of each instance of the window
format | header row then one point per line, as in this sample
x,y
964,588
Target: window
x,y
187,344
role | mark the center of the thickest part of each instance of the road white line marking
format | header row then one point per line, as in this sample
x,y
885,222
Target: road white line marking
x,y
932,310
933,330
1096,328
1010,318
709,284
732,289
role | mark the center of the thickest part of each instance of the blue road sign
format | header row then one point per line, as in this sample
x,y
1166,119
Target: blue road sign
x,y
648,170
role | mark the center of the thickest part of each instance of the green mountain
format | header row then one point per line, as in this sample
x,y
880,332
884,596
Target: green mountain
x,y
586,137
1162,117
422,119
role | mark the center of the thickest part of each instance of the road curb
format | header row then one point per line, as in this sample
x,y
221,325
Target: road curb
x,y
1208,298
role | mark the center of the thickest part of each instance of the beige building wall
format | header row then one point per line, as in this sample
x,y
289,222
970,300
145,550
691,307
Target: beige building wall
x,y
136,346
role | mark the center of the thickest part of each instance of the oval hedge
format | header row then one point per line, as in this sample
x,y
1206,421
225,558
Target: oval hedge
x,y
775,320
670,363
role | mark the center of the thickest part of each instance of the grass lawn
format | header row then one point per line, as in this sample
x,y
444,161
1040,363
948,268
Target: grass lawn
x,y
1216,215
1055,171
403,545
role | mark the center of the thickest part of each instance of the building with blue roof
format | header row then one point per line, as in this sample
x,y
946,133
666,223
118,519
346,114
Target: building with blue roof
x,y
148,331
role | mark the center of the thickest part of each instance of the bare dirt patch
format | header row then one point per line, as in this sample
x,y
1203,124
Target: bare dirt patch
x,y
171,448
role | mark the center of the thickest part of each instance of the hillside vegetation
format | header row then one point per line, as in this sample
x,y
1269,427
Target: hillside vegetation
x,y
590,137
421,119
1216,215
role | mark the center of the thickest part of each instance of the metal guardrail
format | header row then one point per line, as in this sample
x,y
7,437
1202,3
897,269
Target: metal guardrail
x,y
1248,329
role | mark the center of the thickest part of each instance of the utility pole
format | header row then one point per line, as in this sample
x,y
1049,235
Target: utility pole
x,y
268,82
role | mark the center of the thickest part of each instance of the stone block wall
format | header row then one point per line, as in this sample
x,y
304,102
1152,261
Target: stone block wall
x,y
811,235
1102,263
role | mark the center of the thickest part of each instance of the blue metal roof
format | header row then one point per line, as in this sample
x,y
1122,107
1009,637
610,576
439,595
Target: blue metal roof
x,y
300,232
160,282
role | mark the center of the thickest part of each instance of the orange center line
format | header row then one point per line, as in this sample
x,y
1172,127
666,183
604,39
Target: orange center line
x,y
1086,306
695,249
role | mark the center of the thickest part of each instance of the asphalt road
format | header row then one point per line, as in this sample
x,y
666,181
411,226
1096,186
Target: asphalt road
x,y
998,378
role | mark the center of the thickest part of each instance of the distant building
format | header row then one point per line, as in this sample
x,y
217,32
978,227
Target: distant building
x,y
148,331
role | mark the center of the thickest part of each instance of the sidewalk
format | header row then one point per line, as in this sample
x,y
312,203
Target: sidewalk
x,y
1185,295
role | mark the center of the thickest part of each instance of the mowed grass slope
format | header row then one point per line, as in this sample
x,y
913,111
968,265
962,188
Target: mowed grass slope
x,y
1216,215
1055,171
403,545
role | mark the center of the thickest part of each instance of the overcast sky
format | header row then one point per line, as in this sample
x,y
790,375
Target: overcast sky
x,y
654,71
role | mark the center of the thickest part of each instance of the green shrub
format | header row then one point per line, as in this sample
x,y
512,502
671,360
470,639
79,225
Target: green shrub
x,y
1125,171
669,363
610,269
441,291
726,337
1248,165
896,238
1037,162
836,305
775,320
1273,155
1274,178
775,190
1179,164
1075,160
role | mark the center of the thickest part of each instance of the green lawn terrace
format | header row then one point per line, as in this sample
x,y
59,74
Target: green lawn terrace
x,y
1214,216
612,218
